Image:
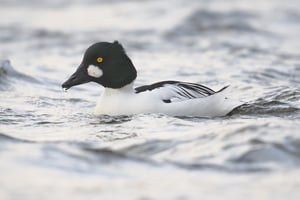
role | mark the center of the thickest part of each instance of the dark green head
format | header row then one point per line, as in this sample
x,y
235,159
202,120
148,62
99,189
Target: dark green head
x,y
104,63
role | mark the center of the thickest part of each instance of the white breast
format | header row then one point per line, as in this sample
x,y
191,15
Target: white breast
x,y
125,101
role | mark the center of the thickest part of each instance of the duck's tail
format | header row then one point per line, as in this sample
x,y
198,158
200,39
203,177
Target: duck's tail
x,y
222,89
225,101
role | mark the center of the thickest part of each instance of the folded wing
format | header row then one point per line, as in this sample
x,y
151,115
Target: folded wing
x,y
174,91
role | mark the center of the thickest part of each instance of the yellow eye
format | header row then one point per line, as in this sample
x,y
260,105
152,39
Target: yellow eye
x,y
99,59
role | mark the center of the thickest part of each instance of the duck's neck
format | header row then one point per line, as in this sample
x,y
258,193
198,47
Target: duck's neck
x,y
125,89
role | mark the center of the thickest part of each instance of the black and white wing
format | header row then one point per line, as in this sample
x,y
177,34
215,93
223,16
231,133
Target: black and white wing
x,y
174,91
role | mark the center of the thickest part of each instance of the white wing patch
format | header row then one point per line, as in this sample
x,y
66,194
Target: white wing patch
x,y
94,71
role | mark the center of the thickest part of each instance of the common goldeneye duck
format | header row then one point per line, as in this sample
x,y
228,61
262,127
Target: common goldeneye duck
x,y
107,64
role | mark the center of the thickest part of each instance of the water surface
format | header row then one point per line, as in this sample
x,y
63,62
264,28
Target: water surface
x,y
52,146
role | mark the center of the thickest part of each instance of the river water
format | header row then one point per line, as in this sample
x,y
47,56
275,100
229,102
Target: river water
x,y
52,146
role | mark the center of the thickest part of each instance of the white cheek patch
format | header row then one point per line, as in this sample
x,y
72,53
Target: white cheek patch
x,y
94,71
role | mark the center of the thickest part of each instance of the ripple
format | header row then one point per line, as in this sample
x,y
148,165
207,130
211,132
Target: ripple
x,y
275,75
220,168
106,119
152,147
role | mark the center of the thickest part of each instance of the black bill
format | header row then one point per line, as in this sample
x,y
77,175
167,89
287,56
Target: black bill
x,y
79,77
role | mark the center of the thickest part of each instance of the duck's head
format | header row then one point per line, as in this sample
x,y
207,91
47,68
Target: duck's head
x,y
104,63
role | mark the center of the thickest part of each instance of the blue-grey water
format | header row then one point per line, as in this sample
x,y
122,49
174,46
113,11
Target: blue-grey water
x,y
52,146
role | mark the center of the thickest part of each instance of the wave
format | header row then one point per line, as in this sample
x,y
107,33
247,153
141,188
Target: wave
x,y
204,21
7,138
256,155
263,153
261,156
267,108
8,73
279,101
